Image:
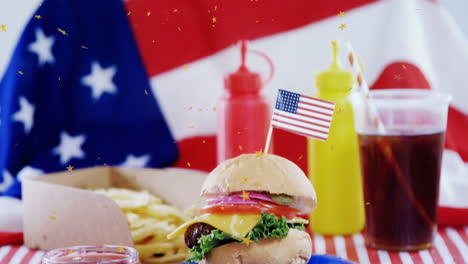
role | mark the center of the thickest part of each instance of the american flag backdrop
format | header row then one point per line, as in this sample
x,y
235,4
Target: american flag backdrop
x,y
303,115
74,93
136,83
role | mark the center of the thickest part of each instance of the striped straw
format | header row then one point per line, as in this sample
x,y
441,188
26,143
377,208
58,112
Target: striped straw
x,y
363,87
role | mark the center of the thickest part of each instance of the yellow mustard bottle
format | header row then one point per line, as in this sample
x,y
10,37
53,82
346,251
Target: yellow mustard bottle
x,y
334,167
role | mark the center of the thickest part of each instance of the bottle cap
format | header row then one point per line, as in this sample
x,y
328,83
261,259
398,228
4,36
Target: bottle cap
x,y
335,77
244,81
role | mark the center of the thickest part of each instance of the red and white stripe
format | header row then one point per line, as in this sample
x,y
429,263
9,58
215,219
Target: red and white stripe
x,y
312,119
451,246
20,255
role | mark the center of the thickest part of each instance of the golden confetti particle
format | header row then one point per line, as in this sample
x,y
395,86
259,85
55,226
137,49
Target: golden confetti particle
x,y
62,31
105,206
190,108
70,252
240,147
21,72
300,157
214,108
175,10
404,66
397,77
192,126
259,153
341,14
6,228
185,67
148,13
189,164
83,47
3,27
367,203
178,28
213,19
70,168
129,13
244,179
247,241
146,92
38,16
203,141
245,196
222,208
200,109
53,218
121,249
215,7
209,11
342,26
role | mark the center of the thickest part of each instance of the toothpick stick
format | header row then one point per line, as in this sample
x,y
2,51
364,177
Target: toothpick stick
x,y
268,139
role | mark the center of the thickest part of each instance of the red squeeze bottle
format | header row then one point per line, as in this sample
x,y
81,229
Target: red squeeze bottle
x,y
243,112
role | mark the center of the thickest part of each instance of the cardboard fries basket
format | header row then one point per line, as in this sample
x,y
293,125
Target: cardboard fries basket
x,y
61,210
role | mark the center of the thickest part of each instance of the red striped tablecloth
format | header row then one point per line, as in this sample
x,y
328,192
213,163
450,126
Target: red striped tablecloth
x,y
451,246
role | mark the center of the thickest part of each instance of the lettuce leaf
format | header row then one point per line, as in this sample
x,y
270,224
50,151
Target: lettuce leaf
x,y
207,242
269,226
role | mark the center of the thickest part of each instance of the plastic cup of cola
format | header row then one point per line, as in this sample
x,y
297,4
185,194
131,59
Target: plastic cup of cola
x,y
400,164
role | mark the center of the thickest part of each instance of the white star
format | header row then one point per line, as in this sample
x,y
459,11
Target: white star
x,y
43,47
100,80
69,147
25,114
29,172
136,162
7,181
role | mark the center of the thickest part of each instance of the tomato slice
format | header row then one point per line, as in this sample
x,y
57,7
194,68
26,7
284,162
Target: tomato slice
x,y
278,210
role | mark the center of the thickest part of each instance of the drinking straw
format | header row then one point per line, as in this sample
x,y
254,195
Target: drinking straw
x,y
363,89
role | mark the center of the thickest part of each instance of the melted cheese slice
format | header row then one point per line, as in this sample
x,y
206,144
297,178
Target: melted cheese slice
x,y
236,225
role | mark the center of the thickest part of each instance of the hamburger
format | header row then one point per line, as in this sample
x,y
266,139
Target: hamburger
x,y
250,212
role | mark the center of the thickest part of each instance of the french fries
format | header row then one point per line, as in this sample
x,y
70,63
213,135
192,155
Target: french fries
x,y
150,221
